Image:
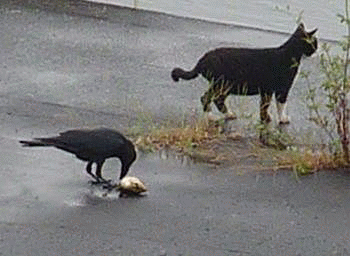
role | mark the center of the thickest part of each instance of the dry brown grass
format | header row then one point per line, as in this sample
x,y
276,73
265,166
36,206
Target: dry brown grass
x,y
308,161
179,138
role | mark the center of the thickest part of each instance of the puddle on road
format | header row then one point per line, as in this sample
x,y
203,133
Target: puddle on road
x,y
37,181
158,170
92,197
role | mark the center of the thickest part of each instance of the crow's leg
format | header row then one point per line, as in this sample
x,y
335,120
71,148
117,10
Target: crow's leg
x,y
99,173
88,170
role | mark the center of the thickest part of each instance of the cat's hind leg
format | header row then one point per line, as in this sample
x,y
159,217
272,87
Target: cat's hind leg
x,y
220,104
207,98
221,92
206,101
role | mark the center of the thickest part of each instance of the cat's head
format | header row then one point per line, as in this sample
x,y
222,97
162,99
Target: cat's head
x,y
307,40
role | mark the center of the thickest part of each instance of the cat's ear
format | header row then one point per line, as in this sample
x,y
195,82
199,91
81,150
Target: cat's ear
x,y
312,32
301,26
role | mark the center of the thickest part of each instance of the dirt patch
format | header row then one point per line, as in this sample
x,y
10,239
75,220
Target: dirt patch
x,y
219,144
213,144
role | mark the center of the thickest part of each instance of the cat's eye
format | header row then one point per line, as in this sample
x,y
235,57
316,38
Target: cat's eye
x,y
310,40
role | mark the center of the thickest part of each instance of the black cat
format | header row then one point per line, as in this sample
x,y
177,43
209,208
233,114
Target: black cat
x,y
244,71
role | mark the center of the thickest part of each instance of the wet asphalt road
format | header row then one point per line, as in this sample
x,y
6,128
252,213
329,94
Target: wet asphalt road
x,y
59,72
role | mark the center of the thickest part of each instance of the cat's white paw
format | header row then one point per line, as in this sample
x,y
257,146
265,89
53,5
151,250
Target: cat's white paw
x,y
211,117
282,117
230,116
284,120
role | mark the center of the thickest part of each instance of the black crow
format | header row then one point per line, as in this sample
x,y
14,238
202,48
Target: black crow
x,y
93,146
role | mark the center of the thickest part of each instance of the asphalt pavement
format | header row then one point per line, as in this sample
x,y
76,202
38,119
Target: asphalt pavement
x,y
64,69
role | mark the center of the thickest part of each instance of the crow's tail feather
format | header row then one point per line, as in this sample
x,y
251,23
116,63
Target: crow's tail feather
x,y
34,143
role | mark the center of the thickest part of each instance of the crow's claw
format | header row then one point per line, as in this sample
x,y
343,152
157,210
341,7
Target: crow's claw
x,y
109,186
95,182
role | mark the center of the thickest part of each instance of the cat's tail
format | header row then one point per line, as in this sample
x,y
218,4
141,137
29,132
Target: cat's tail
x,y
178,73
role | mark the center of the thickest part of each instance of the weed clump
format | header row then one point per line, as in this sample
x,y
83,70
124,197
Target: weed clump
x,y
179,138
307,161
178,130
333,116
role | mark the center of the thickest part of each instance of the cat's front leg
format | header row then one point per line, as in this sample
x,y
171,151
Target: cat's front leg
x,y
264,106
282,117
